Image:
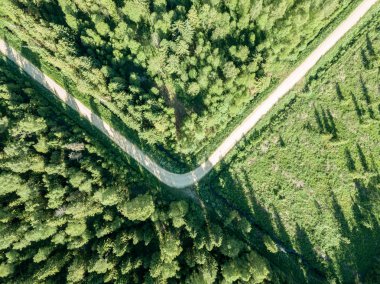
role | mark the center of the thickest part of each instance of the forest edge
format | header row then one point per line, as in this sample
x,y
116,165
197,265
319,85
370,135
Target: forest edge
x,y
187,179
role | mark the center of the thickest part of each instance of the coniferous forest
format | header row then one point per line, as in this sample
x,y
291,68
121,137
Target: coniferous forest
x,y
297,200
69,213
175,73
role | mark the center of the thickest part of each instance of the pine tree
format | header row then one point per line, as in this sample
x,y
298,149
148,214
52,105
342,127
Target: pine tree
x,y
139,208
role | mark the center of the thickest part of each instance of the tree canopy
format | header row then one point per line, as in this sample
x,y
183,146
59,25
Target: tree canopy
x,y
175,72
91,217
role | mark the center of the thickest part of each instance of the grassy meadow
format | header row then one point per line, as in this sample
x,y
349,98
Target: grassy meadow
x,y
309,175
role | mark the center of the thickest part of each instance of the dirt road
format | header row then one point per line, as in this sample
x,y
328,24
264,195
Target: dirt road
x,y
192,177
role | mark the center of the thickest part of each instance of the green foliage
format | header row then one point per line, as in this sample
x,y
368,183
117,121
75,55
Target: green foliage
x,y
75,229
197,64
231,247
318,190
76,271
5,270
178,211
177,75
107,196
139,208
92,218
42,254
270,244
248,268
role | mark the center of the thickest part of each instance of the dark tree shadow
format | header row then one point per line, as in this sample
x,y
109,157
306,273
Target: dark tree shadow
x,y
326,122
369,46
281,141
367,98
355,259
358,109
230,192
306,249
339,92
28,52
318,120
339,215
332,126
362,158
365,60
350,162
48,10
304,262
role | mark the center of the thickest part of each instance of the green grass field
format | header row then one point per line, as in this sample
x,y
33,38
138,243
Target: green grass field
x,y
310,174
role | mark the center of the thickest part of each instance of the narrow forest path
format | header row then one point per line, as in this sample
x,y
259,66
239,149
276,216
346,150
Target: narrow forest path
x,y
192,177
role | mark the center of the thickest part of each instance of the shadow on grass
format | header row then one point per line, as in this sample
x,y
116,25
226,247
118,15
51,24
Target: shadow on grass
x,y
227,193
367,98
48,10
28,52
302,261
355,259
